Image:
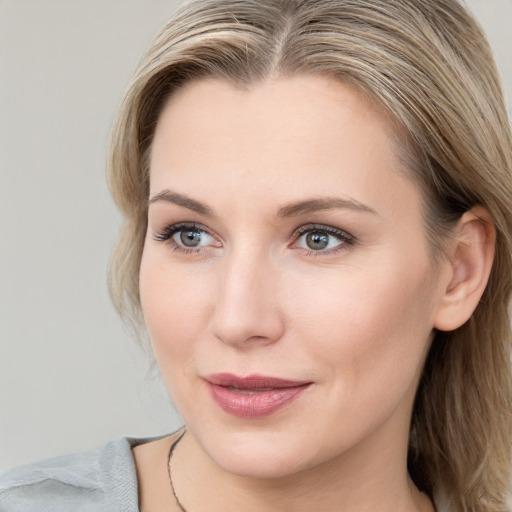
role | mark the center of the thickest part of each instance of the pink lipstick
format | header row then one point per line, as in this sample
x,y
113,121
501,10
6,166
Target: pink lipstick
x,y
254,396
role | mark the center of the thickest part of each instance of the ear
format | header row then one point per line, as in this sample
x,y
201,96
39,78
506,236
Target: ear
x,y
469,263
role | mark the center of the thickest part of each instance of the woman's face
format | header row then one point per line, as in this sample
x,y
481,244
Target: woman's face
x,y
286,281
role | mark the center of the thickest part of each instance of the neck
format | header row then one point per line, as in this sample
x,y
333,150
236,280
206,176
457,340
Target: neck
x,y
362,479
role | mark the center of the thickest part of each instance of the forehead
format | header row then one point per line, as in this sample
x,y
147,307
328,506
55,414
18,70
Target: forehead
x,y
280,105
293,133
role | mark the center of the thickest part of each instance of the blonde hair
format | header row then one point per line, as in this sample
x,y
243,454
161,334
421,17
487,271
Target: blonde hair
x,y
427,62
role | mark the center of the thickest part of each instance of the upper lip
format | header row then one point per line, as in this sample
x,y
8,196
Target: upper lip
x,y
252,381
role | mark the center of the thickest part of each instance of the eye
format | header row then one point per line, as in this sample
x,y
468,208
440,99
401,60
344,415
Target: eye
x,y
321,239
191,238
186,237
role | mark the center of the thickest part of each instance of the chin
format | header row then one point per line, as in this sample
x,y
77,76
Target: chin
x,y
264,454
272,466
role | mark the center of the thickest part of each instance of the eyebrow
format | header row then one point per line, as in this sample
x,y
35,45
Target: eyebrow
x,y
322,203
290,210
182,200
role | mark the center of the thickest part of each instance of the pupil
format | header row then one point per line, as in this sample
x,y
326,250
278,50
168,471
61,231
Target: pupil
x,y
317,241
190,238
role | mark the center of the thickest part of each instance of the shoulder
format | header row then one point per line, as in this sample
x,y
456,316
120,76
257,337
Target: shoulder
x,y
99,480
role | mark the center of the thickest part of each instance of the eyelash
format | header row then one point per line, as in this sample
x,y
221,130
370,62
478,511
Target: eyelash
x,y
345,238
168,232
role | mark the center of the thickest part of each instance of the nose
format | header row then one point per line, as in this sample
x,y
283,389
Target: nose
x,y
247,310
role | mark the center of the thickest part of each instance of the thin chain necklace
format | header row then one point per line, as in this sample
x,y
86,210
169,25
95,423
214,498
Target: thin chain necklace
x,y
173,446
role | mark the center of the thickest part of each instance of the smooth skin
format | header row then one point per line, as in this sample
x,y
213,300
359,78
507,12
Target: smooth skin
x,y
286,239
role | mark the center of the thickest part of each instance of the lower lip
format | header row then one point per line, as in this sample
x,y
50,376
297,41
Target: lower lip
x,y
254,403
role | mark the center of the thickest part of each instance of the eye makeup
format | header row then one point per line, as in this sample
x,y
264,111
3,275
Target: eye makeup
x,y
315,239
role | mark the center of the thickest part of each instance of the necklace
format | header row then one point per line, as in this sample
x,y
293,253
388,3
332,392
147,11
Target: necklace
x,y
171,450
173,446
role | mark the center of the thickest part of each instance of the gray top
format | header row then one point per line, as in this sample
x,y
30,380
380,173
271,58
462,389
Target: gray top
x,y
94,481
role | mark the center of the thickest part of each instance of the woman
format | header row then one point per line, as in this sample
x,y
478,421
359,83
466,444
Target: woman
x,y
317,238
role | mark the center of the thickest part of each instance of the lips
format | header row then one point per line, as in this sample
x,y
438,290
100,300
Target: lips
x,y
254,396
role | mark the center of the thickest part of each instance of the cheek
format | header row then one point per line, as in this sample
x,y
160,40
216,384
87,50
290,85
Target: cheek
x,y
365,326
172,302
364,331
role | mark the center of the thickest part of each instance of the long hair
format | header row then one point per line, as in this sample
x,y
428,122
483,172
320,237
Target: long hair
x,y
428,64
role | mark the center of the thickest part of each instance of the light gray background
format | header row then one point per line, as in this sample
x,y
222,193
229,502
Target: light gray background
x,y
70,377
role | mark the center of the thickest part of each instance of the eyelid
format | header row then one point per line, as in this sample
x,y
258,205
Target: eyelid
x,y
166,235
345,238
306,228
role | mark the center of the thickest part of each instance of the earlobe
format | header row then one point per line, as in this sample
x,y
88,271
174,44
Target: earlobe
x,y
470,261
